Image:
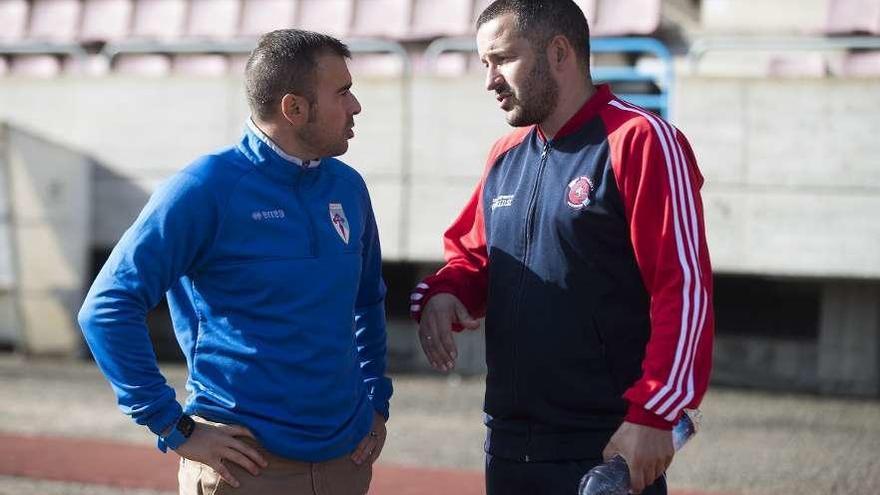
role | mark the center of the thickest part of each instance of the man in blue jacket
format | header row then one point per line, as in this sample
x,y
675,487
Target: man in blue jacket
x,y
268,253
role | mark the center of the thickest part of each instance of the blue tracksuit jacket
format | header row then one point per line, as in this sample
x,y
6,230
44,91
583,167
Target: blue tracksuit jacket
x,y
273,277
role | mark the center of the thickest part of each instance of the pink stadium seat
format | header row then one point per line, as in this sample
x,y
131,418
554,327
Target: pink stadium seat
x,y
13,18
262,16
54,20
862,64
106,20
801,65
431,18
382,18
327,16
627,17
853,16
152,65
92,65
159,19
376,65
200,64
42,66
213,18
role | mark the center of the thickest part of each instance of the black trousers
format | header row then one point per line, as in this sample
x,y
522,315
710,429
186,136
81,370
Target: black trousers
x,y
512,477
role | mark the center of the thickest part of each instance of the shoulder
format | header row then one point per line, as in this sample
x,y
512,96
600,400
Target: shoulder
x,y
347,173
215,174
508,142
630,123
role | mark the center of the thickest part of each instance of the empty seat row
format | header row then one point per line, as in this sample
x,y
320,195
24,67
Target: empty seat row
x,y
67,21
791,17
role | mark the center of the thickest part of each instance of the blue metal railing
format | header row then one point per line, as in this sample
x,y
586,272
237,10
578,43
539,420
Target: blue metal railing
x,y
664,78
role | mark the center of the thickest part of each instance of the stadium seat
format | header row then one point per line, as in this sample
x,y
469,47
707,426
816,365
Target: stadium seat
x,y
200,64
327,16
431,19
151,65
861,64
41,66
262,16
217,19
853,17
799,65
106,20
159,19
382,18
627,17
13,18
92,65
54,20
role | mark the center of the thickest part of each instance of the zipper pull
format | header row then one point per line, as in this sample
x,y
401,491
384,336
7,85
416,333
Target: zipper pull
x,y
545,150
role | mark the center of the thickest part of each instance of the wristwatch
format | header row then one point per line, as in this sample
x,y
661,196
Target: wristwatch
x,y
178,435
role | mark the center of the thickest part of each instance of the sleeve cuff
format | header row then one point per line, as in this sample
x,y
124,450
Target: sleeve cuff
x,y
640,416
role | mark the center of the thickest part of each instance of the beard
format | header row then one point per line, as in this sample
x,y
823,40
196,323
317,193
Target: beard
x,y
536,99
321,138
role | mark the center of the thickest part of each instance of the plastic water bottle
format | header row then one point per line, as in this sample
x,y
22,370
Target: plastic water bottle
x,y
612,477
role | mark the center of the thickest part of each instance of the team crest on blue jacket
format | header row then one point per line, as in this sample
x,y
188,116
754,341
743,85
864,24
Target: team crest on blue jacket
x,y
579,191
340,222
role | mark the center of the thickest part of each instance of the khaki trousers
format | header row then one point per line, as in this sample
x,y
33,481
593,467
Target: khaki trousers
x,y
338,476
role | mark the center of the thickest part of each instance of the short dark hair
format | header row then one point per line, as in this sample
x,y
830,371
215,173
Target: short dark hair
x,y
284,62
540,20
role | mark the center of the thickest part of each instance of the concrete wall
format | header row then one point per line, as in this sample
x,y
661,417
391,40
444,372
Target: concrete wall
x,y
142,130
792,173
48,241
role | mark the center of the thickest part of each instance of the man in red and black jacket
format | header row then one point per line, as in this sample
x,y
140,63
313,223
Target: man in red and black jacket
x,y
584,248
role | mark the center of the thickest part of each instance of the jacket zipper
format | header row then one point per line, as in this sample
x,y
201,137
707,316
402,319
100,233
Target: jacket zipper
x,y
527,234
313,248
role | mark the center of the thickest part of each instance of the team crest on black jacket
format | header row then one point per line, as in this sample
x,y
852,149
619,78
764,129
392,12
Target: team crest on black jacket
x,y
579,191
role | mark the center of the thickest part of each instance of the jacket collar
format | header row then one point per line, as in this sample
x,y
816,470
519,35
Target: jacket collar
x,y
590,109
269,157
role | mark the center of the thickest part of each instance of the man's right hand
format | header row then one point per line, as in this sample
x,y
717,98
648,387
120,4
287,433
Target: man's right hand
x,y
435,329
213,443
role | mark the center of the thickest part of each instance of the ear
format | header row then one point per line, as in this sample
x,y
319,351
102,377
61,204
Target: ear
x,y
559,52
295,108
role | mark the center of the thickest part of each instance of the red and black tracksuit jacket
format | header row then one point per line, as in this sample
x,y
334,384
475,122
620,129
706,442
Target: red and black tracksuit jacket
x,y
587,255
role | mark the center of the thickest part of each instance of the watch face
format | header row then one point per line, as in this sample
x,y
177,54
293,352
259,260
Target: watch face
x,y
186,425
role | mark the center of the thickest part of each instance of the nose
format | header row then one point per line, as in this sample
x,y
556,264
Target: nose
x,y
356,105
493,78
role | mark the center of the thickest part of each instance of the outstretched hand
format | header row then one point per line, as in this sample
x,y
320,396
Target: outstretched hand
x,y
435,329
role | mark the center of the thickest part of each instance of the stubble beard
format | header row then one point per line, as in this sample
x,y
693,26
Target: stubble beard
x,y
539,96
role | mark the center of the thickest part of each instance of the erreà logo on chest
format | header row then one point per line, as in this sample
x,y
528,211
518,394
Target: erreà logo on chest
x,y
339,221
